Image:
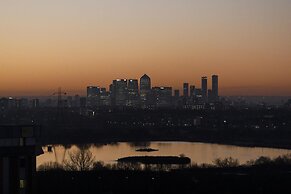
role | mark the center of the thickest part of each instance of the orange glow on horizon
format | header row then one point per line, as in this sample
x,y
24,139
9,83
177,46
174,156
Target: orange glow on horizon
x,y
72,44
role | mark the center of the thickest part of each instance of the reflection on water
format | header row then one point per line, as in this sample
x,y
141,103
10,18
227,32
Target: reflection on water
x,y
198,152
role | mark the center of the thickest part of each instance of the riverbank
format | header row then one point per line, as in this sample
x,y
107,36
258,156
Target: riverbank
x,y
240,143
213,180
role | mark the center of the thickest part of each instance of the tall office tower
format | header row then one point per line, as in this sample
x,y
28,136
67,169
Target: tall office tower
x,y
133,95
185,89
215,96
192,91
204,88
145,91
104,98
120,93
93,95
162,96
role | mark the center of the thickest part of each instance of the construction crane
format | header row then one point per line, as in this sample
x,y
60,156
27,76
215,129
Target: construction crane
x,y
60,106
60,93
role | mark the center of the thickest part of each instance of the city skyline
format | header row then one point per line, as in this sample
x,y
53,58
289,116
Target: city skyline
x,y
73,44
145,96
141,86
197,84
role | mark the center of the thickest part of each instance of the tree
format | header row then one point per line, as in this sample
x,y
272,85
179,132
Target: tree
x,y
226,163
80,160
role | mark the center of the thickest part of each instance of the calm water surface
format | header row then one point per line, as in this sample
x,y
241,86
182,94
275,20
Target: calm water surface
x,y
198,152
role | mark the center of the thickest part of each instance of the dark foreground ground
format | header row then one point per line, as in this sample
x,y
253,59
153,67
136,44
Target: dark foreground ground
x,y
211,180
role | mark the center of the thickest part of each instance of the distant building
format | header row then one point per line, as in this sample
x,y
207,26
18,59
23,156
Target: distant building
x,y
83,105
192,91
176,93
162,96
35,103
215,94
185,90
48,102
3,104
198,96
119,91
69,102
76,101
112,94
11,103
176,98
210,95
133,95
104,98
93,95
145,91
18,151
204,88
22,103
83,102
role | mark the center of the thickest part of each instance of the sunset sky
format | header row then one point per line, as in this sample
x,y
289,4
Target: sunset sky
x,y
45,44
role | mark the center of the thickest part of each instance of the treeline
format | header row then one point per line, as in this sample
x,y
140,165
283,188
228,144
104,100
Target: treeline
x,y
83,160
261,176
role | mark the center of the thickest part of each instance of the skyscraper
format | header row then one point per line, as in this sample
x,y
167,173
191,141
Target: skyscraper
x,y
215,96
204,88
104,98
186,90
93,93
162,96
120,93
133,95
145,90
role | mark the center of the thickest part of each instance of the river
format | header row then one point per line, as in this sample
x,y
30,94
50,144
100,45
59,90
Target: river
x,y
198,152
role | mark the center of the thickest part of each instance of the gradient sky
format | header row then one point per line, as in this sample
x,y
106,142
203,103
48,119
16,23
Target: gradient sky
x,y
45,44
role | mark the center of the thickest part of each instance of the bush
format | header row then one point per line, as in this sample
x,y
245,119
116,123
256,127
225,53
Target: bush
x,y
48,166
99,165
284,160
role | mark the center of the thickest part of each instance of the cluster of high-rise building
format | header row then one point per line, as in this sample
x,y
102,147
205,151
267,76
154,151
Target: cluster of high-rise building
x,y
128,94
131,93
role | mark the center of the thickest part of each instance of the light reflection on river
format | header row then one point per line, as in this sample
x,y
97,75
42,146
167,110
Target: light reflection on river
x,y
198,152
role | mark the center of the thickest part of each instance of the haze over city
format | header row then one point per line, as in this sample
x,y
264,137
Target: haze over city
x,y
73,44
145,96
